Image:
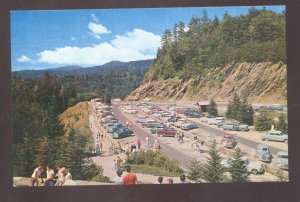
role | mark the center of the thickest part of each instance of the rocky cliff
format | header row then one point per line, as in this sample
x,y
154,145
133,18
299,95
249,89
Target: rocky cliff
x,y
260,82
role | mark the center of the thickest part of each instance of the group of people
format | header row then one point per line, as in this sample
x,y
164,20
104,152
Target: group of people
x,y
160,180
63,176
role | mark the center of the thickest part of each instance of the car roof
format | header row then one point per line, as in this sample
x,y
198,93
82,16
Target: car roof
x,y
262,146
282,153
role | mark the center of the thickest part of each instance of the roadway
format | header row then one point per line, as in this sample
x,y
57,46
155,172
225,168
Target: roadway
x,y
183,159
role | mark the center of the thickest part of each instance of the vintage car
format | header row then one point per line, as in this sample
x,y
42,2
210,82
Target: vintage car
x,y
263,153
253,167
275,136
169,132
121,133
189,126
282,160
228,141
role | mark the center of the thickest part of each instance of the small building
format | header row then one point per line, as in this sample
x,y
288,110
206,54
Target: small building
x,y
202,106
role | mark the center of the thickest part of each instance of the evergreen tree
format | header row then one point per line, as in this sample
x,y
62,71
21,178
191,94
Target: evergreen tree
x,y
282,124
263,121
194,171
238,169
212,108
246,112
233,109
213,170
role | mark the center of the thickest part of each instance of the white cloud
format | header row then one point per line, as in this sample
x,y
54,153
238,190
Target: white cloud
x,y
94,18
24,58
139,40
97,30
135,45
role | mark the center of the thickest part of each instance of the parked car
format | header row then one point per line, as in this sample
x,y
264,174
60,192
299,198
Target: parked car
x,y
181,111
282,160
180,122
173,119
189,126
121,133
228,141
114,127
253,167
150,125
214,121
130,111
142,119
263,153
275,136
235,127
109,123
170,132
157,127
193,114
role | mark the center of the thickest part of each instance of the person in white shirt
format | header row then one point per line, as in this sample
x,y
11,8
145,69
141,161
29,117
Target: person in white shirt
x,y
37,173
66,178
50,176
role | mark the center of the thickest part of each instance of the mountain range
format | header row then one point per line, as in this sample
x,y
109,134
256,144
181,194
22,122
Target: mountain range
x,y
113,66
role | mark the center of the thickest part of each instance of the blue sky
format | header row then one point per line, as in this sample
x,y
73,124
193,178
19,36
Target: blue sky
x,y
49,39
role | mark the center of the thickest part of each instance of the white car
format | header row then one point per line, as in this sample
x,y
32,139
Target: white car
x,y
253,167
282,160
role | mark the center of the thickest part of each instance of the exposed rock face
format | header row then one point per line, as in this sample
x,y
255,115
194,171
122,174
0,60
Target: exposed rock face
x,y
260,82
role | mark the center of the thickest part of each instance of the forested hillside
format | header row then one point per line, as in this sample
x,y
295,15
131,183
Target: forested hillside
x,y
208,58
38,133
189,50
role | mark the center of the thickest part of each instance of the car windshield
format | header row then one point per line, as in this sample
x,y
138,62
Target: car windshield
x,y
265,149
283,156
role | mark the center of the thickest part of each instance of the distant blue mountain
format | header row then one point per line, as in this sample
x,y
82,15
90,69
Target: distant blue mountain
x,y
112,66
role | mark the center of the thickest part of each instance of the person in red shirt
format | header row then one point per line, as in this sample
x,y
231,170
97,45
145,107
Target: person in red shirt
x,y
129,178
139,142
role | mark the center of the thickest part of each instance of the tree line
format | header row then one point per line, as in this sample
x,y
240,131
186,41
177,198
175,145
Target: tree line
x,y
39,135
189,50
241,110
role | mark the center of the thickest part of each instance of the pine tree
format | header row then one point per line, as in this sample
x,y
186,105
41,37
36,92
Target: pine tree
x,y
212,108
194,171
263,121
213,170
246,112
282,124
238,169
233,109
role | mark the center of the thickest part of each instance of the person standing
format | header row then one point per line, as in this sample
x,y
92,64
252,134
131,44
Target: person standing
x,y
101,146
129,178
147,141
50,176
37,173
139,142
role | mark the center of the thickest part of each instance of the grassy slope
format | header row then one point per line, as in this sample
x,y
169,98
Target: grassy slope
x,y
78,117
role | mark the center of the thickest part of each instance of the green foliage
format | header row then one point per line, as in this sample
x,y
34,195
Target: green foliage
x,y
238,169
194,171
240,110
258,36
154,158
213,171
212,108
282,124
39,136
263,121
